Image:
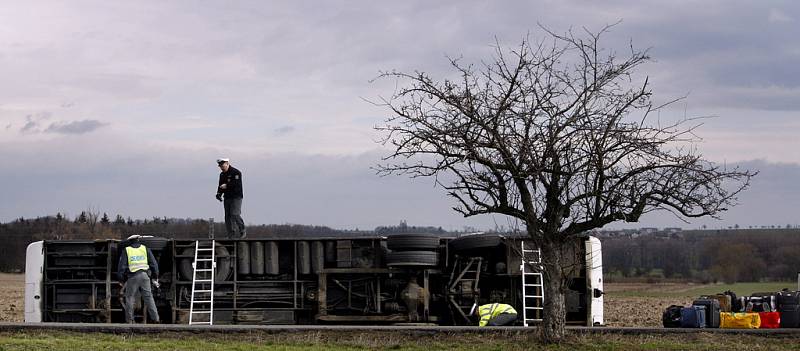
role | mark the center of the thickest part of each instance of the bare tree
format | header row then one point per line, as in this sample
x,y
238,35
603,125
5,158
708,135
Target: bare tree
x,y
92,217
557,134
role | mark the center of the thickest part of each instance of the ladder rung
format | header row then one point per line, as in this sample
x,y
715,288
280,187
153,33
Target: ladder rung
x,y
206,249
201,312
204,260
533,284
202,291
201,301
203,280
203,270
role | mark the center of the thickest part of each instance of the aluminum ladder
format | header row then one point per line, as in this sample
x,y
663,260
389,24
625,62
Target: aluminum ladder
x,y
532,285
204,265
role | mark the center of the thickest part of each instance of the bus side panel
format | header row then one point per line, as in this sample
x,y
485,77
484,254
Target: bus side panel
x,y
34,261
594,277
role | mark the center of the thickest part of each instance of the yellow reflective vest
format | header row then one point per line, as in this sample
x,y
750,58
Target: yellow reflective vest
x,y
489,311
137,258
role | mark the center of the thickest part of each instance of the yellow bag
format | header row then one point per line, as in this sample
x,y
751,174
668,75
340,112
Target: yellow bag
x,y
739,320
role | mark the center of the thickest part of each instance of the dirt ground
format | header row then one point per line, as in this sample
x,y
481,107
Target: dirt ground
x,y
12,293
637,311
621,309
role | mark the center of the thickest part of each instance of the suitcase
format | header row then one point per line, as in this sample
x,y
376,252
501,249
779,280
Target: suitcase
x,y
693,317
790,316
769,320
736,304
759,304
788,298
672,317
768,298
742,304
724,301
712,311
739,320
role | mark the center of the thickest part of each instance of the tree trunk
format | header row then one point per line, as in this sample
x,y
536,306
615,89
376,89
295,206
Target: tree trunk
x,y
555,312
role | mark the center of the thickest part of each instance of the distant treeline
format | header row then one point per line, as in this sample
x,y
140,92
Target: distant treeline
x,y
739,255
17,234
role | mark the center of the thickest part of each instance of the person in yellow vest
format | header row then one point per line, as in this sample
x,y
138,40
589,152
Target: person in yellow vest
x,y
136,265
494,314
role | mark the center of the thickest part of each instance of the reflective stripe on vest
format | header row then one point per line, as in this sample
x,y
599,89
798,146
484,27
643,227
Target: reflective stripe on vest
x,y
137,258
489,311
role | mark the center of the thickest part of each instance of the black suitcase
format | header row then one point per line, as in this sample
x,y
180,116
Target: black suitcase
x,y
672,317
712,311
790,316
788,298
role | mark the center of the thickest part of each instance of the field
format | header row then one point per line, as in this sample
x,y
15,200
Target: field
x,y
301,341
641,304
627,305
12,292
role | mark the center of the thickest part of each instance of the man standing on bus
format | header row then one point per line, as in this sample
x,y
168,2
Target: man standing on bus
x,y
230,185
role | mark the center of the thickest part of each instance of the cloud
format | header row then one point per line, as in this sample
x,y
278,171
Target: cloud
x,y
30,126
284,130
74,127
33,122
777,16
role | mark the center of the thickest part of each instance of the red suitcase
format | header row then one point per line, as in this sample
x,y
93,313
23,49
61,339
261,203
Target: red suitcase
x,y
770,320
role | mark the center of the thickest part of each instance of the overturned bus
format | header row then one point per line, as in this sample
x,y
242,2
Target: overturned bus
x,y
399,279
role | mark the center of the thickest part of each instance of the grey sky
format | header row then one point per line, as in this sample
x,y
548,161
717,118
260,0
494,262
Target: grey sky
x,y
124,106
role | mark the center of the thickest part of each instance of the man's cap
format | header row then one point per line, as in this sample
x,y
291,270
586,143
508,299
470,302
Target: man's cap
x,y
134,237
223,159
472,310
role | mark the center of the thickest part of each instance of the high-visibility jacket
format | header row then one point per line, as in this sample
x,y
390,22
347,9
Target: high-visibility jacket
x,y
489,311
137,258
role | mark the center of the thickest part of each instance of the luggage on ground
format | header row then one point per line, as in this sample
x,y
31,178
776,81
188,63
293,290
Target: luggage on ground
x,y
724,301
763,302
769,320
760,304
787,297
712,311
693,317
739,320
672,317
790,316
736,304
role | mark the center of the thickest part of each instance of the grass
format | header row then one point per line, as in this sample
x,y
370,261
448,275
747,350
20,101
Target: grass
x,y
745,289
677,290
301,341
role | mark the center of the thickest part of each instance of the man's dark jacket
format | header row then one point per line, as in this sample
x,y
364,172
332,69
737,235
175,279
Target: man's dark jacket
x,y
233,179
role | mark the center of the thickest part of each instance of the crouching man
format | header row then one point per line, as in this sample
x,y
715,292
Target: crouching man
x,y
495,314
136,264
